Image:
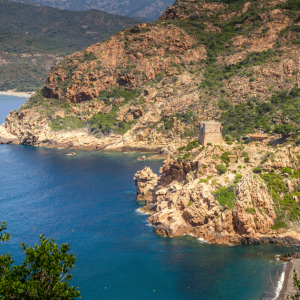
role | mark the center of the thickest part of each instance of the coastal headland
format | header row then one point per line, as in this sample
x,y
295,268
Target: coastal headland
x,y
204,192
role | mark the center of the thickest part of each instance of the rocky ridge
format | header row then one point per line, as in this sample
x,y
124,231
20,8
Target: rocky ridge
x,y
148,87
191,196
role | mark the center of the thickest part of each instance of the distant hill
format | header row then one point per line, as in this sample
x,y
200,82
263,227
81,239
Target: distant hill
x,y
146,9
34,38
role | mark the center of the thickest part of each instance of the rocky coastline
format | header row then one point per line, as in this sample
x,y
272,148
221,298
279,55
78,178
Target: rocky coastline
x,y
186,199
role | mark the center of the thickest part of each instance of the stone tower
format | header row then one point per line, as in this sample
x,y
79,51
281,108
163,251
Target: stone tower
x,y
210,132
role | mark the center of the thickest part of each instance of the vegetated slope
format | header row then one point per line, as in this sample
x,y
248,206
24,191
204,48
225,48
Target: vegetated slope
x,y
237,61
34,38
146,9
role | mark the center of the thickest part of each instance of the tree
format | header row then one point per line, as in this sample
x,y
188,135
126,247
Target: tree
x,y
284,129
44,275
221,169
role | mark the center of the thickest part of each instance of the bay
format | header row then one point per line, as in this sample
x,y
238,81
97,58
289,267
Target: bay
x,y
89,201
8,103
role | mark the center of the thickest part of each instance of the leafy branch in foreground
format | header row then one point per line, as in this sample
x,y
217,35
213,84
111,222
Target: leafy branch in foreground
x,y
44,275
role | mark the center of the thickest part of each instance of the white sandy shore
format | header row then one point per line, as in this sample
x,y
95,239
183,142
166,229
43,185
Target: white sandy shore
x,y
17,94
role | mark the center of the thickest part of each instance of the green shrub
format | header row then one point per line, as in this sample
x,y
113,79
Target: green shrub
x,y
251,210
191,145
228,138
181,148
107,123
190,203
257,170
221,169
296,175
225,158
234,171
203,180
225,196
245,154
229,142
247,159
286,170
186,155
238,176
67,123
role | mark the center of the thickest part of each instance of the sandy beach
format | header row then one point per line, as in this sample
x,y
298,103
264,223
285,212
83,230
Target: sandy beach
x,y
17,94
288,284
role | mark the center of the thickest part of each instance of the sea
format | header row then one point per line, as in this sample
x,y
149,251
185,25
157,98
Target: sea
x,y
89,201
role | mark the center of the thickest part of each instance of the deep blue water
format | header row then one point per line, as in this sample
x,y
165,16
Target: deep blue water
x,y
8,103
89,202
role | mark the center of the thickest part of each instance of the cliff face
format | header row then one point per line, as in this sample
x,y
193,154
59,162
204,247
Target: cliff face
x,y
192,197
150,86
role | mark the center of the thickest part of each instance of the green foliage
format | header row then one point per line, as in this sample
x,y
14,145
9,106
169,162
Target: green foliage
x,y
187,118
4,236
266,157
284,129
296,174
119,92
88,56
45,273
186,155
244,154
286,170
191,145
251,210
225,158
67,123
202,180
107,123
181,148
228,138
43,34
229,142
190,203
225,197
257,170
296,284
244,118
288,206
247,159
221,169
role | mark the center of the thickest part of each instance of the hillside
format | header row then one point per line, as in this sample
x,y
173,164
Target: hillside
x,y
145,9
148,87
34,38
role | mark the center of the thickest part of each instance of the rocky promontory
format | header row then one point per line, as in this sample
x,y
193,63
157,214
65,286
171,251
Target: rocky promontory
x,y
148,87
204,193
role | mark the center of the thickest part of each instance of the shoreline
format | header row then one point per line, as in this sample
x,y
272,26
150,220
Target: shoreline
x,y
288,283
17,94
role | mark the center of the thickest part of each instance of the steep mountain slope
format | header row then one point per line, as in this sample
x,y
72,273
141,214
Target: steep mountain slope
x,y
149,86
146,9
34,38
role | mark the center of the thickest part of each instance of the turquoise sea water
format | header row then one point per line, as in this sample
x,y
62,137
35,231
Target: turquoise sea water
x,y
89,202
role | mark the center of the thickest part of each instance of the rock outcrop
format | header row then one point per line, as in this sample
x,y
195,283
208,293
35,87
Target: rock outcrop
x,y
186,199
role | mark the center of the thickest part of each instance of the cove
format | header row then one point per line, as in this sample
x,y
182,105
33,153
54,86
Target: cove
x,y
8,103
89,201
